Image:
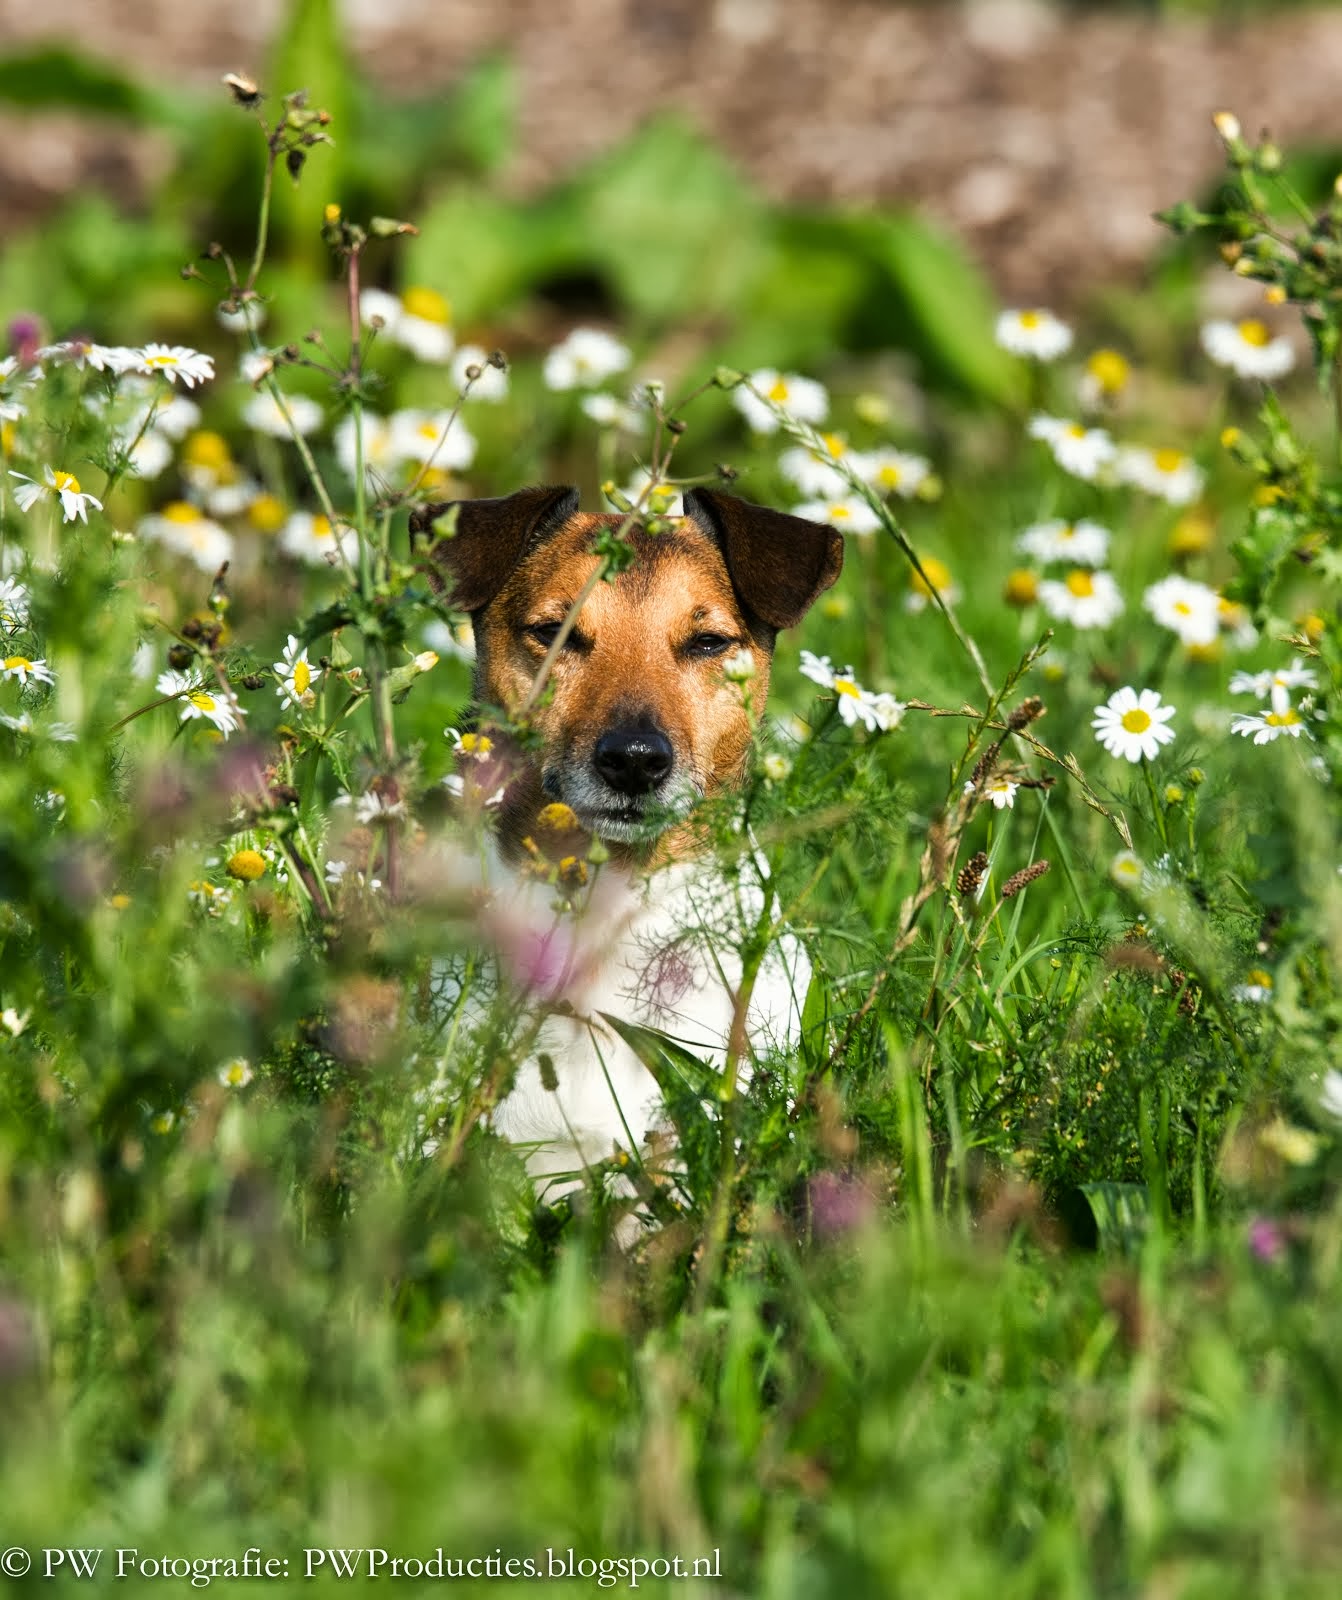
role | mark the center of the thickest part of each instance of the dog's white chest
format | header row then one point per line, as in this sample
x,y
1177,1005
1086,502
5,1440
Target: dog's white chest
x,y
662,954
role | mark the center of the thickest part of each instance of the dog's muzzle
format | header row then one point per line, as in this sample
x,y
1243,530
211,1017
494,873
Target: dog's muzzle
x,y
634,761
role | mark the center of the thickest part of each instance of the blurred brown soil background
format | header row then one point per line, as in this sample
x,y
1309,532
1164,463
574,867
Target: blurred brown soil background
x,y
1044,138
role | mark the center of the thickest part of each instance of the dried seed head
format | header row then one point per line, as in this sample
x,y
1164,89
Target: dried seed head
x,y
243,89
549,1077
971,874
1026,712
1018,880
986,762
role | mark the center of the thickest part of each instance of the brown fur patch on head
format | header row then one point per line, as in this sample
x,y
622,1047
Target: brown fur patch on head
x,y
647,650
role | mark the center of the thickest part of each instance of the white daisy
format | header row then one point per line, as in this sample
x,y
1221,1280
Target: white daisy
x,y
1035,333
1294,676
609,411
174,418
856,704
296,674
64,485
210,706
13,605
150,452
492,382
308,536
101,357
585,359
892,471
1188,608
739,666
1001,791
1133,725
22,668
176,361
1084,543
816,475
253,365
1085,599
420,320
1248,349
803,399
263,413
1168,473
1128,869
432,438
1330,1097
1272,721
849,515
247,317
1256,990
1082,451
173,682
187,531
236,1074
381,451
374,807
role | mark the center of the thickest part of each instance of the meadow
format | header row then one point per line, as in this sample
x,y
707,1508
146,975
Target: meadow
x,y
1016,1273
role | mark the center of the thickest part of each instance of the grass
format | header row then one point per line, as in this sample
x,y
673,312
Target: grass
x,y
1019,1272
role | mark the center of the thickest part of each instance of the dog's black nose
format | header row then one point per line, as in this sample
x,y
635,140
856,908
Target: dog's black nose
x,y
633,760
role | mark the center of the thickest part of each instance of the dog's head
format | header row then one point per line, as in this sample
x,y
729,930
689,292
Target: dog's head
x,y
643,719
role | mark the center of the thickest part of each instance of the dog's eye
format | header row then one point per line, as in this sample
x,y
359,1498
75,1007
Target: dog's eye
x,y
544,633
704,645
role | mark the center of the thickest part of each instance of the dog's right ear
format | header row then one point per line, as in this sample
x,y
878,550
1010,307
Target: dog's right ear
x,y
489,539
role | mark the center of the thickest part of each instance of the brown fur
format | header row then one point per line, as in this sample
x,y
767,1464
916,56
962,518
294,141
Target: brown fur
x,y
727,571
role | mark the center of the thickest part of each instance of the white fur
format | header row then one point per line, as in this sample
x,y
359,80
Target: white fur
x,y
660,952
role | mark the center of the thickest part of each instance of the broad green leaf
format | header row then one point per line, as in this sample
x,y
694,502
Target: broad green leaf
x,y
53,78
1122,1213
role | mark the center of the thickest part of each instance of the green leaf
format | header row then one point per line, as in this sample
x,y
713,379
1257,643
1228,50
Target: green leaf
x,y
1122,1213
688,1085
935,303
673,225
53,78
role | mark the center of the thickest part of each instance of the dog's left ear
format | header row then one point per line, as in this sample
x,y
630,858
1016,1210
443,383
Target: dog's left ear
x,y
779,565
490,538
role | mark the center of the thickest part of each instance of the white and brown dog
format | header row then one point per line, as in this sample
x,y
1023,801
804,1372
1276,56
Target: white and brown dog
x,y
640,722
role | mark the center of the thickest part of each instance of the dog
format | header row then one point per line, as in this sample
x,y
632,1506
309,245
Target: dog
x,y
641,721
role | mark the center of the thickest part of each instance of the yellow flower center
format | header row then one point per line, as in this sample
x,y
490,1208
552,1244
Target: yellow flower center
x,y
777,391
847,686
1168,460
1136,720
321,527
1081,584
426,304
834,444
839,513
266,513
1022,587
938,576
429,430
302,676
1261,979
65,480
478,744
1254,332
556,818
1267,494
1183,608
1191,535
18,664
890,477
1031,319
1110,370
8,434
246,865
235,1074
165,359
201,700
1075,430
1283,719
207,449
180,511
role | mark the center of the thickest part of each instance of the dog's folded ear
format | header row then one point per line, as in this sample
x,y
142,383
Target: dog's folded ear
x,y
778,564
489,538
